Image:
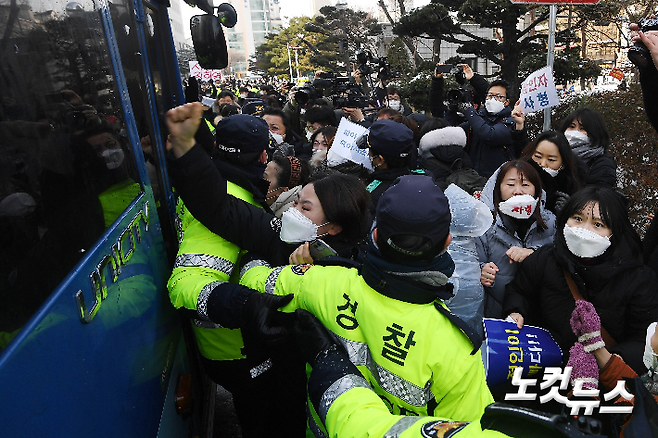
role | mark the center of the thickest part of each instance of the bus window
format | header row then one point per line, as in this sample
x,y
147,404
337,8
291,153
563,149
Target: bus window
x,y
67,170
143,49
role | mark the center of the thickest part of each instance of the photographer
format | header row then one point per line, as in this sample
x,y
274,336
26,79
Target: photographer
x,y
647,36
463,73
491,131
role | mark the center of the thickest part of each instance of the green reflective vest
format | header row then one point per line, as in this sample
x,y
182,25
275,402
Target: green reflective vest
x,y
204,260
411,355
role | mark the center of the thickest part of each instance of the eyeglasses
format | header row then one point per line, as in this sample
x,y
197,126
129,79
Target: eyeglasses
x,y
498,97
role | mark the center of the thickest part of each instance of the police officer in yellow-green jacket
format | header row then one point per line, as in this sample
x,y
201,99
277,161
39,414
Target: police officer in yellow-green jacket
x,y
205,261
349,408
417,356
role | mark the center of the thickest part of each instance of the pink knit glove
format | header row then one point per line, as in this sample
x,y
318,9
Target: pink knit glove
x,y
583,367
586,324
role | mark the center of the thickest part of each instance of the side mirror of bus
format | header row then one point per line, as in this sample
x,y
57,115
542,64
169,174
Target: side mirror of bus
x,y
209,42
208,36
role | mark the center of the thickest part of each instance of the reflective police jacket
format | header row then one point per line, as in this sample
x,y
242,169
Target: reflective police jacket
x,y
349,408
205,260
411,354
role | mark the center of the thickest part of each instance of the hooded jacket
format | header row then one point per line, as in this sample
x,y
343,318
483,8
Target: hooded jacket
x,y
621,288
440,148
502,235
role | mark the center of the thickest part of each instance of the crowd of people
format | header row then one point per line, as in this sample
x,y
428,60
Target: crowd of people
x,y
291,255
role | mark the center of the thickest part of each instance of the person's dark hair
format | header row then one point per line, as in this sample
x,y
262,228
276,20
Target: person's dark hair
x,y
329,132
431,124
505,85
271,101
322,115
526,172
226,93
592,121
312,103
408,122
391,89
569,161
613,214
228,109
283,179
344,200
243,90
271,111
387,113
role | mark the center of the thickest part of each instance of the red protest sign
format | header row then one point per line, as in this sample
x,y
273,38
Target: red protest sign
x,y
617,74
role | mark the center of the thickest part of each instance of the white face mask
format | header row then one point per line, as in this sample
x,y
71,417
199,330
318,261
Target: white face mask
x,y
277,137
297,228
519,206
650,358
551,172
585,243
576,138
113,157
395,105
493,106
309,134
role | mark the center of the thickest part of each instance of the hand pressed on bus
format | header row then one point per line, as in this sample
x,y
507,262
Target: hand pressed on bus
x,y
183,122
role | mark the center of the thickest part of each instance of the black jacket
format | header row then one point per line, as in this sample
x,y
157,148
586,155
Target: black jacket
x,y
562,182
201,183
602,171
380,180
492,139
649,84
443,156
622,290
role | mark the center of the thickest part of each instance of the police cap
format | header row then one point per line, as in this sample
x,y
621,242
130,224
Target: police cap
x,y
242,133
413,206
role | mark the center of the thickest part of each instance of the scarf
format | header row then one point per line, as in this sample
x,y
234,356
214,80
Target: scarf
x,y
586,152
412,282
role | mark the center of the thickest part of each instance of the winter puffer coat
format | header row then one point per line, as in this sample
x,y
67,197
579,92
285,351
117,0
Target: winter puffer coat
x,y
492,247
622,289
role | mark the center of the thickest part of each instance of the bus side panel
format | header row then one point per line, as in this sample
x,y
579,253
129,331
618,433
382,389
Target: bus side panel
x,y
107,377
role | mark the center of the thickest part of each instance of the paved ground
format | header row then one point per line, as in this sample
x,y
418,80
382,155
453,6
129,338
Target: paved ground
x,y
226,422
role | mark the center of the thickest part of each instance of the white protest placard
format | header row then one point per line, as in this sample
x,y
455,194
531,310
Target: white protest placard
x,y
538,91
345,146
202,74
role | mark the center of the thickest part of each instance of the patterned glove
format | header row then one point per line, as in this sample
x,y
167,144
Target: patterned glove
x,y
561,200
583,367
586,324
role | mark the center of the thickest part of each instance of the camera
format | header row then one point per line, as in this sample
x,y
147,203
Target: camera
x,y
305,93
369,65
457,96
638,54
344,93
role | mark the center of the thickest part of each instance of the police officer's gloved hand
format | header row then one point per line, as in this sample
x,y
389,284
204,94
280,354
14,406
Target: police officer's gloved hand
x,y
312,338
261,317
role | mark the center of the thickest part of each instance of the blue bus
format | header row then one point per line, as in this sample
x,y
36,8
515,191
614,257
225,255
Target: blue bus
x,y
89,342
